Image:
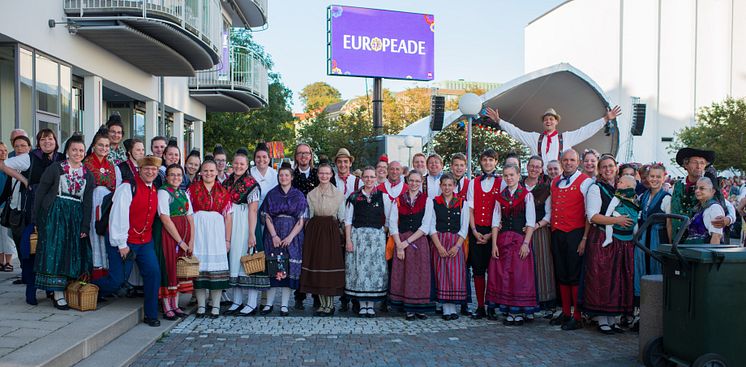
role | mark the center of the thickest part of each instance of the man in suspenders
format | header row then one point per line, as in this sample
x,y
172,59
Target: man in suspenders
x,y
550,143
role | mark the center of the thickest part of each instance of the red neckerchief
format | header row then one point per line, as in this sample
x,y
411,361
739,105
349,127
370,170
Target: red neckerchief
x,y
454,202
549,138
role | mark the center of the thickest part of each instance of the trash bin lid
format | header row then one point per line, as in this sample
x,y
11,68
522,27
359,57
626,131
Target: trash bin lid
x,y
704,253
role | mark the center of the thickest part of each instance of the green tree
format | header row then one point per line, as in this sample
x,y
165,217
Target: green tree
x,y
351,130
318,95
453,140
720,127
245,129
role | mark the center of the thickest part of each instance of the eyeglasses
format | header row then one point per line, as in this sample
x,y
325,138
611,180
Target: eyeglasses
x,y
220,161
303,153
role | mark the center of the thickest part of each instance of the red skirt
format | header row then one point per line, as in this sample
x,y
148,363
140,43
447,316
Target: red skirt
x,y
410,278
511,281
171,252
450,272
609,276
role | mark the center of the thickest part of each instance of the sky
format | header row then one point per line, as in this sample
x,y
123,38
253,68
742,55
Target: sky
x,y
475,40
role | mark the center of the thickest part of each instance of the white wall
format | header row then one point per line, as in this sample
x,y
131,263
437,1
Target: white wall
x,y
676,55
26,22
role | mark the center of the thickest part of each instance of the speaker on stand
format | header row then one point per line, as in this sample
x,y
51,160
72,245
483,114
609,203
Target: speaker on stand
x,y
437,110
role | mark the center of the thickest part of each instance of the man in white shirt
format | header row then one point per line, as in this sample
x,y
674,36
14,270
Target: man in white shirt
x,y
134,207
550,143
569,234
343,179
431,181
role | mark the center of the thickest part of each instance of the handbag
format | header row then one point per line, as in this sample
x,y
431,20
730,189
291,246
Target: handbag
x,y
278,265
13,218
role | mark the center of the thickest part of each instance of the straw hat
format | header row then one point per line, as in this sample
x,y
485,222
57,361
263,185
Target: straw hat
x,y
343,152
550,112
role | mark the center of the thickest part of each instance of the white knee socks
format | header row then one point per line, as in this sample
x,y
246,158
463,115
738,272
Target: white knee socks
x,y
201,295
285,297
270,297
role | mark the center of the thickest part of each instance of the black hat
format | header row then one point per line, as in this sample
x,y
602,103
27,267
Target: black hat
x,y
685,153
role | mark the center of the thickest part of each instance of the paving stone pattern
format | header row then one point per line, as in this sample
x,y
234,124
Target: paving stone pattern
x,y
388,340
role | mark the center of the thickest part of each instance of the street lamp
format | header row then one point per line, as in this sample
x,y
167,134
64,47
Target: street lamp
x,y
409,142
469,104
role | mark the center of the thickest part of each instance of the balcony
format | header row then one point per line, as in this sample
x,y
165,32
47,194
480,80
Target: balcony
x,y
161,37
250,13
238,87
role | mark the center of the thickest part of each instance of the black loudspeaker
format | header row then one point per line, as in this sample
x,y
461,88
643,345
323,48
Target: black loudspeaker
x,y
638,118
437,108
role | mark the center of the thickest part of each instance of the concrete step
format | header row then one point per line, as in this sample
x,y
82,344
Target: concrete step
x,y
80,339
125,349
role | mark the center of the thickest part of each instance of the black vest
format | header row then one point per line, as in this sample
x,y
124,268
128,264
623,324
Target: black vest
x,y
515,222
303,183
367,214
411,222
126,171
447,220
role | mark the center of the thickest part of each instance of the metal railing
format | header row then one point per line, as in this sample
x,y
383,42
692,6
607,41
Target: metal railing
x,y
203,18
246,72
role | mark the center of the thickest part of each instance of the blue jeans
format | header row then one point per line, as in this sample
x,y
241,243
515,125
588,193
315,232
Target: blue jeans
x,y
119,271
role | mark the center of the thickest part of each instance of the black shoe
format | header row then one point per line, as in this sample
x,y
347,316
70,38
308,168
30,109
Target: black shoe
x,y
571,325
560,320
178,312
605,329
171,317
131,293
421,316
384,307
438,311
492,314
18,281
215,312
454,316
617,329
518,320
284,311
240,313
465,310
344,307
199,315
267,311
479,313
410,316
233,312
355,306
59,306
509,321
446,317
299,305
152,322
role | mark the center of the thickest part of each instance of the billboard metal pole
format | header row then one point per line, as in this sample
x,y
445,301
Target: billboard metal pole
x,y
377,106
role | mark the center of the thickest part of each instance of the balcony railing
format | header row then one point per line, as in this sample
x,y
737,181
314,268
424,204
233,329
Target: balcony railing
x,y
202,18
245,73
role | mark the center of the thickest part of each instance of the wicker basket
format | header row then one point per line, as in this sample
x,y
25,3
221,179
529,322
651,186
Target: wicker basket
x,y
187,267
81,296
33,239
253,263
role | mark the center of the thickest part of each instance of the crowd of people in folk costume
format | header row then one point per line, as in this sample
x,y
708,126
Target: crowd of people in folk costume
x,y
416,240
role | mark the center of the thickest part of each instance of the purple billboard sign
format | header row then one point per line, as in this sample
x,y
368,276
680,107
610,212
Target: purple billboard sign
x,y
380,43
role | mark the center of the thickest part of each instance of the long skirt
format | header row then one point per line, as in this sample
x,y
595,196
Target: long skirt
x,y
546,288
170,252
450,272
410,278
98,243
209,248
61,255
240,247
510,281
644,264
283,226
608,276
323,268
366,272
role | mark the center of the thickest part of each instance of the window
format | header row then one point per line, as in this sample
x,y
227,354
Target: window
x,y
67,125
7,92
139,125
26,98
47,85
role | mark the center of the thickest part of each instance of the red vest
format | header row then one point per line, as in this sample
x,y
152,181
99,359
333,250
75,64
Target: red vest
x,y
568,205
142,213
484,202
463,190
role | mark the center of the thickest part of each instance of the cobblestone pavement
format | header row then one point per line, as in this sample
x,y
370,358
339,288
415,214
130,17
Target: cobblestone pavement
x,y
388,340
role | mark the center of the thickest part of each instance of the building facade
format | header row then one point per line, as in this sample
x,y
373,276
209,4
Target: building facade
x,y
674,55
161,64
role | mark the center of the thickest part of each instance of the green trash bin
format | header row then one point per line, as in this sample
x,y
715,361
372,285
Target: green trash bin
x,y
704,296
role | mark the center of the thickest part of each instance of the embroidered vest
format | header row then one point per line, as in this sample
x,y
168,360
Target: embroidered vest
x,y
484,202
568,205
367,214
142,213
